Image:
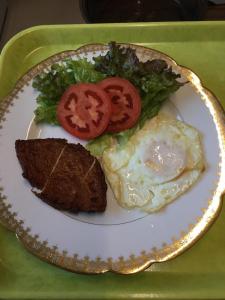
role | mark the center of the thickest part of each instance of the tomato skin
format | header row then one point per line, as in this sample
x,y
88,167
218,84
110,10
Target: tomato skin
x,y
125,101
84,110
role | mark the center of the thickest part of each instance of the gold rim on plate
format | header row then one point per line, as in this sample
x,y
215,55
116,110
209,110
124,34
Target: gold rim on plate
x,y
134,263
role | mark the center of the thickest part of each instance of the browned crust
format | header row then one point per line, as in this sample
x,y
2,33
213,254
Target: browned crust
x,y
37,158
74,180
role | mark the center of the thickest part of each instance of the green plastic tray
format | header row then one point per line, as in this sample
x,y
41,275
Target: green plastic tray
x,y
199,273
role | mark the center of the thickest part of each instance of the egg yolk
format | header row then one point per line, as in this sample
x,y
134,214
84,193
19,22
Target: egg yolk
x,y
165,160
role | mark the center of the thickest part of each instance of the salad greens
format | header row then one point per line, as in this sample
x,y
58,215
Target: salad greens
x,y
154,79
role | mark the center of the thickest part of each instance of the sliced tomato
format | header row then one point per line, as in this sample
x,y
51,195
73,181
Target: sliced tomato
x,y
126,103
84,110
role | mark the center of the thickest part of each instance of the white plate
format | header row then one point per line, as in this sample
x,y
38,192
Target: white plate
x,y
119,240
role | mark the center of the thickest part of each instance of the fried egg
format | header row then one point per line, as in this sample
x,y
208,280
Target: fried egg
x,y
160,162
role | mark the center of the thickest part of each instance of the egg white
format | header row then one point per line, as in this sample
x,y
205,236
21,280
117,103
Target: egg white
x,y
159,163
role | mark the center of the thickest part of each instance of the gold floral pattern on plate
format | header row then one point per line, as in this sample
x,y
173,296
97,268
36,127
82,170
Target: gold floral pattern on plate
x,y
133,263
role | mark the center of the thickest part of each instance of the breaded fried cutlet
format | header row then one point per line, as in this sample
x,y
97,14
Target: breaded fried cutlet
x,y
69,177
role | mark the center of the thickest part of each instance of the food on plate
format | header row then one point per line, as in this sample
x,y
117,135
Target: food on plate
x,y
125,101
52,83
37,158
113,101
160,162
154,80
68,177
84,110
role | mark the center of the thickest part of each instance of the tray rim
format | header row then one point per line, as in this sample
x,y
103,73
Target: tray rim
x,y
22,33
31,29
45,252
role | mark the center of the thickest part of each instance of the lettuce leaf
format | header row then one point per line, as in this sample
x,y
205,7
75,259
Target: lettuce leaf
x,y
99,144
46,113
